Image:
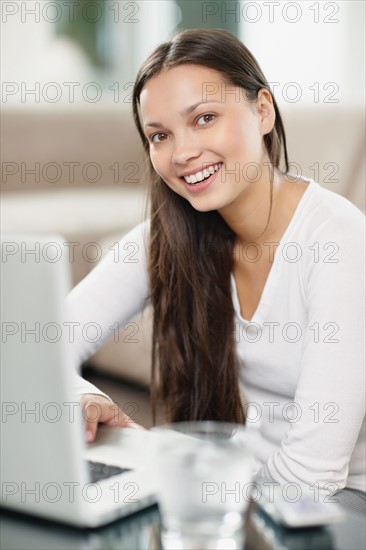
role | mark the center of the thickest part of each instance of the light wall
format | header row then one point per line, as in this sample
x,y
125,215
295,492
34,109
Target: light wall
x,y
35,56
318,46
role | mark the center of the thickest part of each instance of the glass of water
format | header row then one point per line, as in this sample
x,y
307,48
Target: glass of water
x,y
204,474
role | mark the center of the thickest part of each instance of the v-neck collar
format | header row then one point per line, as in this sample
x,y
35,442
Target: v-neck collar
x,y
272,278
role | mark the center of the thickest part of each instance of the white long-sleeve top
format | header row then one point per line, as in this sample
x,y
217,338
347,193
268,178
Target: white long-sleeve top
x,y
301,355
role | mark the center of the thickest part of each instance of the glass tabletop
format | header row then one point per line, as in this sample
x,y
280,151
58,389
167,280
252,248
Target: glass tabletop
x,y
142,532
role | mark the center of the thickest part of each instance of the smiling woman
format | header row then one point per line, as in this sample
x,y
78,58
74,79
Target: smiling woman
x,y
255,276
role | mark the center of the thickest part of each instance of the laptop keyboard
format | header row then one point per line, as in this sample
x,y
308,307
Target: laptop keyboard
x,y
99,471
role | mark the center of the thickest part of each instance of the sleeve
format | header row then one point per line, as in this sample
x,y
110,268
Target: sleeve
x,y
109,296
330,395
82,386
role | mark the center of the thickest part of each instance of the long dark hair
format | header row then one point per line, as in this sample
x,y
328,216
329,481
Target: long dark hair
x,y
194,364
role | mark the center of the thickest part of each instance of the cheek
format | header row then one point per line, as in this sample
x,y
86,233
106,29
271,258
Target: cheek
x,y
249,141
161,167
154,159
159,161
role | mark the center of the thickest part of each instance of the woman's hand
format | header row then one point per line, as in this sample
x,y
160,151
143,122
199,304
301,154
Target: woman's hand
x,y
97,408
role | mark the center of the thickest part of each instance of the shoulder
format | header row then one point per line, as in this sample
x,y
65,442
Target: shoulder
x,y
141,231
328,232
326,213
331,233
138,236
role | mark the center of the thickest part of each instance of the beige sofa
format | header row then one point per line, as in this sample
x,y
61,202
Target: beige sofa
x,y
81,173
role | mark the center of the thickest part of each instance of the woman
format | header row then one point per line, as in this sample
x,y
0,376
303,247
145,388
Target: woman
x,y
255,276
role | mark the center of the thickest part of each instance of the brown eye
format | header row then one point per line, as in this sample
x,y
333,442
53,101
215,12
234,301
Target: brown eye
x,y
157,138
205,119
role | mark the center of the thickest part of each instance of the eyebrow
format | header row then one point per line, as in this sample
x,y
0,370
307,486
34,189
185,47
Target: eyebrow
x,y
183,113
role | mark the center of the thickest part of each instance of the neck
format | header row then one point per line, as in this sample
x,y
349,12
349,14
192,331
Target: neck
x,y
250,215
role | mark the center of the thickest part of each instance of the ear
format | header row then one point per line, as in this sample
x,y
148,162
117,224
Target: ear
x,y
266,111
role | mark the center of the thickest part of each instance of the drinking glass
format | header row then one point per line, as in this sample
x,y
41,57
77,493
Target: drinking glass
x,y
204,473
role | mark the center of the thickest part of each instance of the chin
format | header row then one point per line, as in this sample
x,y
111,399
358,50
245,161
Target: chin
x,y
206,205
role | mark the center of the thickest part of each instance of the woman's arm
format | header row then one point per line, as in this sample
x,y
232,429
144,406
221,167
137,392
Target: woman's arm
x,y
113,293
317,448
110,295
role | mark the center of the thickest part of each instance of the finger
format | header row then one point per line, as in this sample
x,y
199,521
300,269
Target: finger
x,y
106,412
119,418
91,412
126,424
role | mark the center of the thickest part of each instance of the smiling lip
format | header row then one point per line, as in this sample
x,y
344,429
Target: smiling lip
x,y
202,185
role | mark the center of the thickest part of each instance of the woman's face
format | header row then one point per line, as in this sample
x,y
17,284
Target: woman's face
x,y
205,137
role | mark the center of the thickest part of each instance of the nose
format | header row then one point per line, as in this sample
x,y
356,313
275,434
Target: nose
x,y
186,148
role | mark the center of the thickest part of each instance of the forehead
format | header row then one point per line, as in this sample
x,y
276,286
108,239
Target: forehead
x,y
180,85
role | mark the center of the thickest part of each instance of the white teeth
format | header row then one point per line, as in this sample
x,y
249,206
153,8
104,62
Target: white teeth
x,y
199,176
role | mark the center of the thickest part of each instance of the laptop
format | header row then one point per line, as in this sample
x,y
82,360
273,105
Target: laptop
x,y
47,468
